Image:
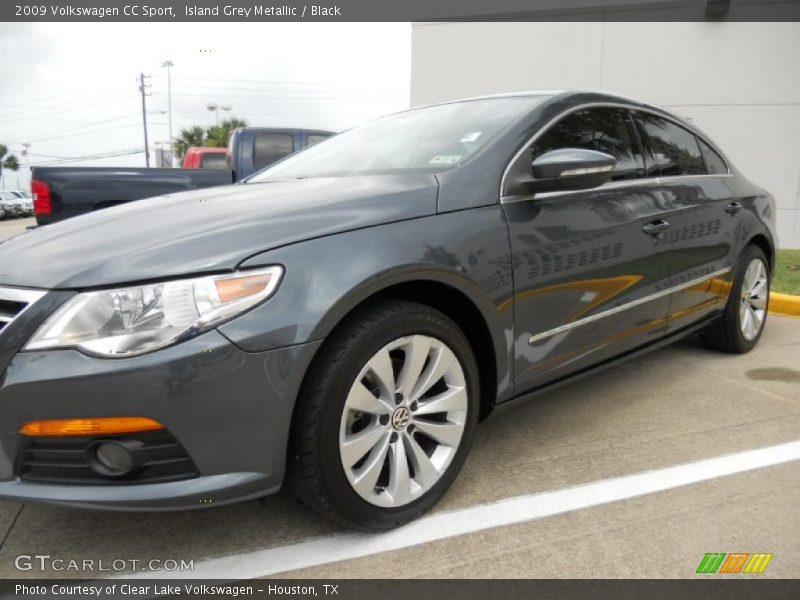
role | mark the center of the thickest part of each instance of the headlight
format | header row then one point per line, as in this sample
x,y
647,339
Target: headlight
x,y
134,320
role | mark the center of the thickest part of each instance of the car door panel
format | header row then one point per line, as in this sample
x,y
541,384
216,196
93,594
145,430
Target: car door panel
x,y
703,249
584,271
695,182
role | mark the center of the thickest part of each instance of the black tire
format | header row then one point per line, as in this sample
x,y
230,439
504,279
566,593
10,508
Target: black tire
x,y
725,334
316,474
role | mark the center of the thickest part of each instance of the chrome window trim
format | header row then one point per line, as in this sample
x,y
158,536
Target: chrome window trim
x,y
618,309
633,108
22,295
612,185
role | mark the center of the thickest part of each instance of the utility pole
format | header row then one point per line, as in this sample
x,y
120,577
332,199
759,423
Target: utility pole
x,y
142,88
25,148
169,64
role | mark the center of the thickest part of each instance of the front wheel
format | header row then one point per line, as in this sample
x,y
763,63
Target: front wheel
x,y
742,322
386,416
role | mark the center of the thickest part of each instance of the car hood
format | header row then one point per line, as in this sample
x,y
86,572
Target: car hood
x,y
204,231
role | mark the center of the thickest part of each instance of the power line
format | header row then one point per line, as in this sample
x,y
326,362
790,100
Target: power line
x,y
281,91
59,97
59,105
58,112
76,133
52,156
261,97
256,80
83,133
110,154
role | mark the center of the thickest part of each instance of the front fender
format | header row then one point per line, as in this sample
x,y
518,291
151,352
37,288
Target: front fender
x,y
326,278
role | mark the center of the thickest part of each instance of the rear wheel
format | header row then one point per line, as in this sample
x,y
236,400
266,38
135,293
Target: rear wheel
x,y
386,416
742,322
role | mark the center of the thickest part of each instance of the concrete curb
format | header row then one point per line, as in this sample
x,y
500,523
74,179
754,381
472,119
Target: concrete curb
x,y
784,304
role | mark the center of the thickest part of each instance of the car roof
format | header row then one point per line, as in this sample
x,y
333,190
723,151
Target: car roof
x,y
609,96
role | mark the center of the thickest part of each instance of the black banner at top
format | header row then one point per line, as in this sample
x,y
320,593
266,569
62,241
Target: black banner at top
x,y
398,10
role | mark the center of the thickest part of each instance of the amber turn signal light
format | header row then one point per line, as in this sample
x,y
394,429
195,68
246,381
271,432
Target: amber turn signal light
x,y
98,426
241,287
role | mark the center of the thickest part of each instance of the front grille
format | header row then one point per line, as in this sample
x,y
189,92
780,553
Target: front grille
x,y
63,460
13,301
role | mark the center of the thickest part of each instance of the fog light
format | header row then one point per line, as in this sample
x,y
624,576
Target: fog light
x,y
112,459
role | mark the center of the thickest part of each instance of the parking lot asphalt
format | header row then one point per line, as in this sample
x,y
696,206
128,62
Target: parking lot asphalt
x,y
11,227
675,406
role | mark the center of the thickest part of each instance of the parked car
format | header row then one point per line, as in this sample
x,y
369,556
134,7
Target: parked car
x,y
23,202
10,204
341,321
207,158
65,192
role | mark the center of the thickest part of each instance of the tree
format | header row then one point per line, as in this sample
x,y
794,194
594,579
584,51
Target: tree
x,y
218,135
215,136
8,161
192,136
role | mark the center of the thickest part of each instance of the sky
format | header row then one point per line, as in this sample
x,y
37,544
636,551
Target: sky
x,y
70,89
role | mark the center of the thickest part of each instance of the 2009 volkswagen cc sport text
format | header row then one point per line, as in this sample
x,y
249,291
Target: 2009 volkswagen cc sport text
x,y
342,320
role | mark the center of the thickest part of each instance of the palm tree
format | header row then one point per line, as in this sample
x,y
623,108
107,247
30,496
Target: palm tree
x,y
191,136
7,161
218,135
215,136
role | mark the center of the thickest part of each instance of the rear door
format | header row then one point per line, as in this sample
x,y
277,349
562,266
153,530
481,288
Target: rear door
x,y
588,279
703,225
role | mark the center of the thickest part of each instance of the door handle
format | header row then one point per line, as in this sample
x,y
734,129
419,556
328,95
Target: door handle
x,y
733,208
655,227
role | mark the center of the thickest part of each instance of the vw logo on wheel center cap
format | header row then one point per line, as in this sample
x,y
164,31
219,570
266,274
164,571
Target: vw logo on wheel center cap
x,y
400,418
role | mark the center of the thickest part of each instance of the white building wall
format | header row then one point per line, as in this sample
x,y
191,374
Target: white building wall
x,y
739,82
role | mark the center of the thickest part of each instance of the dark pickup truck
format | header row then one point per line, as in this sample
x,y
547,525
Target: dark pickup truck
x,y
64,192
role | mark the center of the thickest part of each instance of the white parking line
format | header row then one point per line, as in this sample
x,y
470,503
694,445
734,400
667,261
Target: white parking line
x,y
346,546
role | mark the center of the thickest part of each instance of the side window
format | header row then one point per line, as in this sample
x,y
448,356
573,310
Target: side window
x,y
715,165
215,161
270,147
602,129
314,138
675,149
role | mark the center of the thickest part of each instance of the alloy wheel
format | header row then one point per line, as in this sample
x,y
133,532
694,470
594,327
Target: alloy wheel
x,y
754,296
403,420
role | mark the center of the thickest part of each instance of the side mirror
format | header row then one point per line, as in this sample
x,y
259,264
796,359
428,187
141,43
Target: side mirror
x,y
571,169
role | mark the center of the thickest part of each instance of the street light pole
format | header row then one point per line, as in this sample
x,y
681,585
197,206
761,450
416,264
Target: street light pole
x,y
169,64
215,108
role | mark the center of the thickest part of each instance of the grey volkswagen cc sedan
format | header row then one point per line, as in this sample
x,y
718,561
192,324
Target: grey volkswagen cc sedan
x,y
341,321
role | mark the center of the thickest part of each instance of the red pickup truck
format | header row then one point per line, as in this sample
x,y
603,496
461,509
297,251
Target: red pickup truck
x,y
207,158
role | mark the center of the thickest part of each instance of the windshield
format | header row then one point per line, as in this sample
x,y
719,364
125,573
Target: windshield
x,y
432,139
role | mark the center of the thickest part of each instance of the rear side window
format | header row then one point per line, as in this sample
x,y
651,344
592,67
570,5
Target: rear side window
x,y
602,129
270,147
715,165
675,149
315,139
214,161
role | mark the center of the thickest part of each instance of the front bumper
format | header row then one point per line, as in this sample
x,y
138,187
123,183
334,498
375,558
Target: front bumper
x,y
231,411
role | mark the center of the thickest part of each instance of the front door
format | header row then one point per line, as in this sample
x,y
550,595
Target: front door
x,y
589,279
